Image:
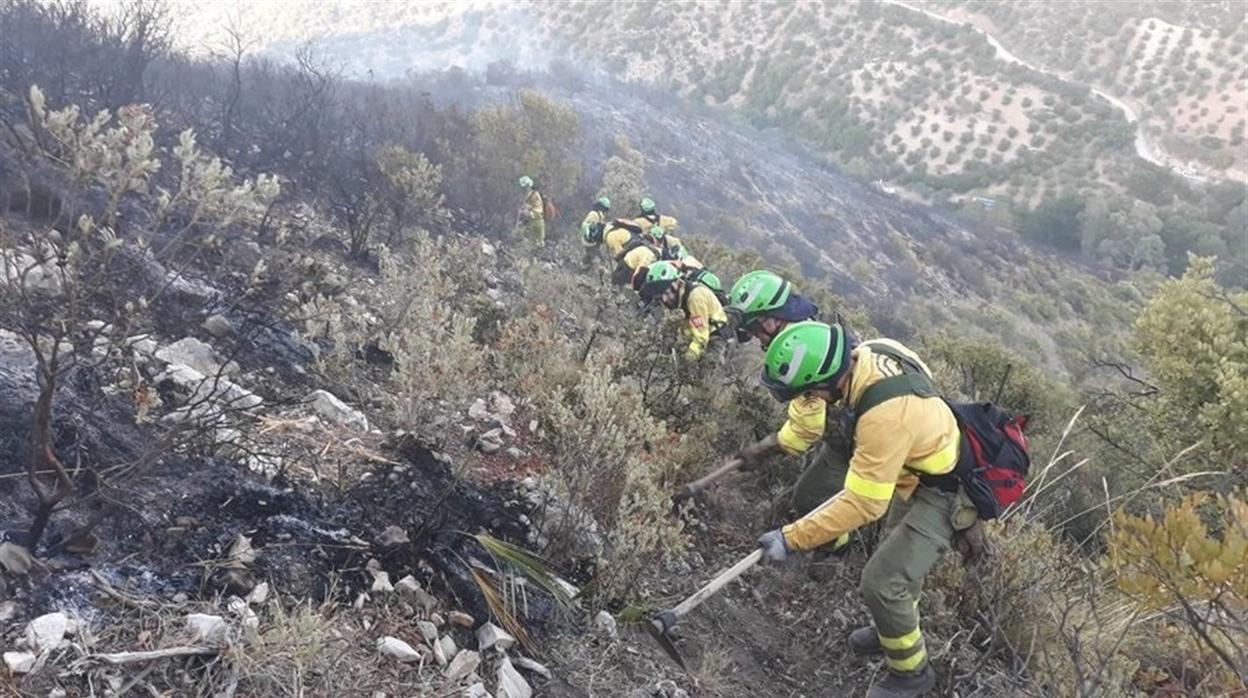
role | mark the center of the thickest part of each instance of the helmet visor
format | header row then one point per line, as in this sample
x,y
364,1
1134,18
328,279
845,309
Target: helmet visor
x,y
780,391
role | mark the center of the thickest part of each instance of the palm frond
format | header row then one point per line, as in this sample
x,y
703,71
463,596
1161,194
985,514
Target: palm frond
x,y
498,607
530,565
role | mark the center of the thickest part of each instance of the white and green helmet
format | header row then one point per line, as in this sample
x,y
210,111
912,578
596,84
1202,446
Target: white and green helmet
x,y
757,293
806,355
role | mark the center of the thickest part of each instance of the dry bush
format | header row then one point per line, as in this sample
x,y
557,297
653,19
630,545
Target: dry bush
x,y
611,465
417,314
1050,619
63,284
300,651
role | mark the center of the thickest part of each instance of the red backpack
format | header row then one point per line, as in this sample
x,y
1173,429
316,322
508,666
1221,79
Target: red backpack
x,y
994,458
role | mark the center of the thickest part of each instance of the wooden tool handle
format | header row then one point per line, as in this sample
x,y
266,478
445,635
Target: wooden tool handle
x,y
719,582
713,477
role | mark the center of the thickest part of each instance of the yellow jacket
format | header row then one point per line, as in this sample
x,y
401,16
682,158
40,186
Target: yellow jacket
x,y
704,314
616,238
640,256
894,440
644,222
533,209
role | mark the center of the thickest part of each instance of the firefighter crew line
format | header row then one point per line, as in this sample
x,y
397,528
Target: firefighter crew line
x,y
889,445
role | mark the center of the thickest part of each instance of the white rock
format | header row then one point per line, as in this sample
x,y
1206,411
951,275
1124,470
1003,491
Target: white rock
x,y
46,632
428,631
449,648
19,662
604,623
476,690
439,655
144,347
398,649
533,666
488,249
408,586
393,535
479,411
259,595
381,582
328,406
218,326
492,636
462,665
191,352
206,628
503,406
510,683
247,617
461,619
15,558
360,600
35,277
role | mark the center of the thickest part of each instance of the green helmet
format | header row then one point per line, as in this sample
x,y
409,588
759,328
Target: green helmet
x,y
805,355
604,202
647,205
525,182
707,278
758,292
655,232
659,276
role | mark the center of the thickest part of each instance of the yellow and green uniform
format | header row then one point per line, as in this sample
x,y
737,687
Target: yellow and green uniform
x,y
704,314
894,442
593,218
645,221
532,223
615,238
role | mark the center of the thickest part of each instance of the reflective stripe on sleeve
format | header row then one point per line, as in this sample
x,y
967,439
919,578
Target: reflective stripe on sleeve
x,y
866,488
941,461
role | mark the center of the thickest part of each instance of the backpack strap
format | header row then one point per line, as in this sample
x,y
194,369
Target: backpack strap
x,y
893,387
912,381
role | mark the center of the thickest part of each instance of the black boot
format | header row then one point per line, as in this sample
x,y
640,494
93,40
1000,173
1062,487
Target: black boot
x,y
866,642
909,684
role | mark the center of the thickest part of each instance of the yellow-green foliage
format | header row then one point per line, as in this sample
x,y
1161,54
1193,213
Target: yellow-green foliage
x,y
1193,575
1193,337
206,191
623,177
530,136
1178,557
413,186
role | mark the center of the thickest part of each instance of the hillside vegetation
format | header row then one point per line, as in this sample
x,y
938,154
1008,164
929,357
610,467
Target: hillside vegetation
x,y
891,93
289,410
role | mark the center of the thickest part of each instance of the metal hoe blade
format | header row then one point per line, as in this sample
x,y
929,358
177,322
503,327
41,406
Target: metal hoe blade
x,y
658,627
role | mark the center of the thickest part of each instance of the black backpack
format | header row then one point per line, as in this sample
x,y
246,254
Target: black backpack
x,y
993,459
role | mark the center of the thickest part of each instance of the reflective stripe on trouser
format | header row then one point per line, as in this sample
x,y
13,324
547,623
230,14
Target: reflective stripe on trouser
x,y
920,531
823,478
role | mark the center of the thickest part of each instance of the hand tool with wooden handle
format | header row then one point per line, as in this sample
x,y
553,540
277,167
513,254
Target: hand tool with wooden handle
x,y
666,620
688,491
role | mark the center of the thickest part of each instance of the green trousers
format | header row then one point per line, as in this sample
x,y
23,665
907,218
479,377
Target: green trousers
x,y
534,231
919,531
823,478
